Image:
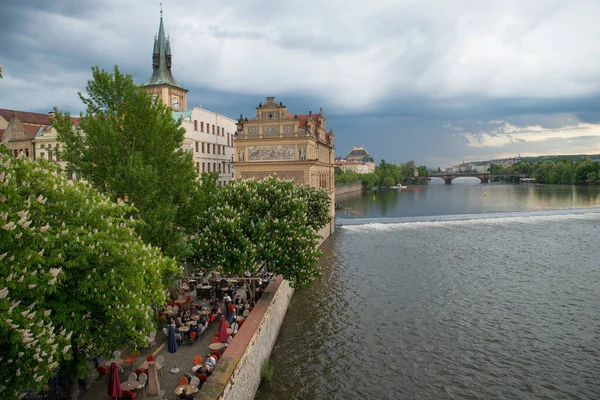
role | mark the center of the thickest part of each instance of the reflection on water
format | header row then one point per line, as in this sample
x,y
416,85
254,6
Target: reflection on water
x,y
470,198
481,308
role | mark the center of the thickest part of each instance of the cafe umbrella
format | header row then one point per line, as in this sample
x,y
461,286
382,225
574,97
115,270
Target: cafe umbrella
x,y
114,385
172,347
223,335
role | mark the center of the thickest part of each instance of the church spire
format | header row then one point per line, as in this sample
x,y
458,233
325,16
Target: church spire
x,y
161,60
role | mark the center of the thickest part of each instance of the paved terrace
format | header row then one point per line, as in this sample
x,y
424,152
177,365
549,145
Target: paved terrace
x,y
168,381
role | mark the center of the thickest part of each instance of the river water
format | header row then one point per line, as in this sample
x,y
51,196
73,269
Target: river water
x,y
451,292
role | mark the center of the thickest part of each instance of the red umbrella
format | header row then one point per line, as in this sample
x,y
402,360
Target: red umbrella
x,y
223,335
114,385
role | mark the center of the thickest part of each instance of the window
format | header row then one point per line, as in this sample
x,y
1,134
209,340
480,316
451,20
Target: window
x,y
228,168
196,147
49,145
218,149
42,146
197,167
208,148
214,147
26,152
41,154
49,156
227,138
203,147
223,166
213,129
196,126
215,167
208,167
219,167
201,126
203,169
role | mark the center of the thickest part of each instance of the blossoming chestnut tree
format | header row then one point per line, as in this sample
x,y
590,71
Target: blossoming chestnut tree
x,y
75,280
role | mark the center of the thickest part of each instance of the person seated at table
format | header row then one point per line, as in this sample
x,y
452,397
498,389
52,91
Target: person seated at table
x,y
204,369
238,300
234,328
186,396
211,362
203,303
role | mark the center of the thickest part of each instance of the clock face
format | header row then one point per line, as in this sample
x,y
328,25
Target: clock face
x,y
175,102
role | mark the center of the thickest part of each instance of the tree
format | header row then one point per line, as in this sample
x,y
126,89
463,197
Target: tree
x,y
369,180
496,169
128,146
75,279
270,222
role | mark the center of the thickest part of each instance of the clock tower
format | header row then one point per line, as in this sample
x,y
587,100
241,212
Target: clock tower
x,y
162,84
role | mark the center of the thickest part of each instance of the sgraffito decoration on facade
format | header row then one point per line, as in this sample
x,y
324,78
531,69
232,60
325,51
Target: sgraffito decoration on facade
x,y
270,115
289,128
271,129
253,130
270,153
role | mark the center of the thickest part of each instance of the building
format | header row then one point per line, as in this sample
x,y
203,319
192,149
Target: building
x,y
295,147
359,154
208,135
355,166
31,134
162,84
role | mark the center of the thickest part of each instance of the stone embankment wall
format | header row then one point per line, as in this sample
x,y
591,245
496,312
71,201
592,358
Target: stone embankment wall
x,y
237,375
348,187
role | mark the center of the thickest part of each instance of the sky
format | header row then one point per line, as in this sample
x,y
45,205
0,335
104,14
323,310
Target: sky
x,y
434,81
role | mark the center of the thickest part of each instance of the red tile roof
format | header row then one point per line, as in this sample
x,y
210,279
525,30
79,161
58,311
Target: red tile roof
x,y
302,118
31,118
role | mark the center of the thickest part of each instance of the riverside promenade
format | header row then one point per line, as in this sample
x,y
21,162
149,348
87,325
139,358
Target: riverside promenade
x,y
184,359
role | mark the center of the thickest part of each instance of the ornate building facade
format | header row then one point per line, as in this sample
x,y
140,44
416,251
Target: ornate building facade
x,y
295,147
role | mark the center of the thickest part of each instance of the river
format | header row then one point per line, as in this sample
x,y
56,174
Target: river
x,y
450,292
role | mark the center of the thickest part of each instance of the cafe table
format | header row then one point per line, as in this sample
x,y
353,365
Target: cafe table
x,y
118,361
216,346
188,389
130,385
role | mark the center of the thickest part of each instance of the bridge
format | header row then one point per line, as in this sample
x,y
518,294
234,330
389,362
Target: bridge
x,y
483,177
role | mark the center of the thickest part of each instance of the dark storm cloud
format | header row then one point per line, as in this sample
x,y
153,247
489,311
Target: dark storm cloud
x,y
436,82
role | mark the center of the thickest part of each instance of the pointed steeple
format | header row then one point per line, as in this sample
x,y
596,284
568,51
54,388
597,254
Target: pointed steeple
x,y
161,60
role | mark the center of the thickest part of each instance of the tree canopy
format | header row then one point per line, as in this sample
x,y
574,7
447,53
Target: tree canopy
x,y
75,278
128,146
271,222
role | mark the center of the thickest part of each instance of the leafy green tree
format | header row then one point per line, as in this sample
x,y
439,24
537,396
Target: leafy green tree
x,y
369,180
389,181
270,222
496,169
75,279
523,167
542,170
592,177
128,146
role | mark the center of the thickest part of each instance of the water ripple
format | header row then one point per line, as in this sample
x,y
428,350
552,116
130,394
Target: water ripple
x,y
504,308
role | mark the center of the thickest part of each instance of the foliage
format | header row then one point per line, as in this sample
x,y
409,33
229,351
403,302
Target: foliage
x,y
344,177
75,280
249,222
566,171
266,371
128,147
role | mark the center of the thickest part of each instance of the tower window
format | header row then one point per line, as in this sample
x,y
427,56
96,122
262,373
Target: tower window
x,y
196,126
201,126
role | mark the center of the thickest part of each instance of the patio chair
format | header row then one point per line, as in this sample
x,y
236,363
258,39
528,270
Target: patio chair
x,y
202,377
195,382
132,377
129,395
142,380
183,381
101,371
116,354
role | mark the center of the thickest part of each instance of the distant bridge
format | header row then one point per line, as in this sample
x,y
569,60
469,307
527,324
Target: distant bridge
x,y
483,177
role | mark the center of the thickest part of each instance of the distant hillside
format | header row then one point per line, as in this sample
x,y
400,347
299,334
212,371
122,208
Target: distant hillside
x,y
533,160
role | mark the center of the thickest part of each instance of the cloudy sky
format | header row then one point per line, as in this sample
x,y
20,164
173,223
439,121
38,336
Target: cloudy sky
x,y
435,81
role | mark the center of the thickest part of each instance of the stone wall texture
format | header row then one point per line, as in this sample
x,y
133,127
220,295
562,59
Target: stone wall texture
x,y
348,187
237,375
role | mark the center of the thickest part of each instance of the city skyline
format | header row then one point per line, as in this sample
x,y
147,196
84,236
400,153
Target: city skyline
x,y
436,83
